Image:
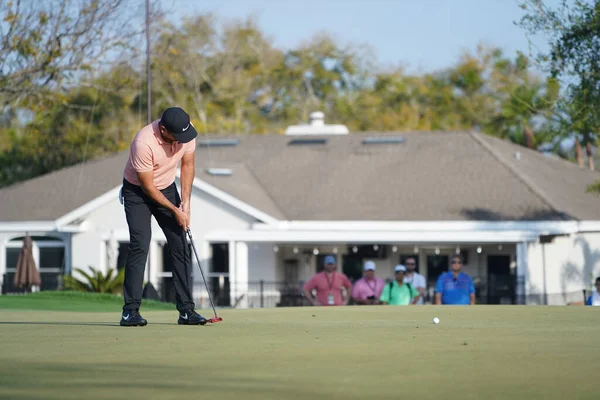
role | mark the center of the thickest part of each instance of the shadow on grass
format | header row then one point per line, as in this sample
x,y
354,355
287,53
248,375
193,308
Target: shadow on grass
x,y
60,323
139,381
85,323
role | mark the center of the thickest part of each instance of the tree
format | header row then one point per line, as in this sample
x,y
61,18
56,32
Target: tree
x,y
573,34
47,44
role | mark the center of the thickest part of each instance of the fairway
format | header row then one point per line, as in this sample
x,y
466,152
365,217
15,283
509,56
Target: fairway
x,y
481,352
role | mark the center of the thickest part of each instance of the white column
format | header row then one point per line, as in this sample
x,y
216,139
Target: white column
x,y
241,272
233,280
66,237
522,268
152,270
103,256
2,263
205,254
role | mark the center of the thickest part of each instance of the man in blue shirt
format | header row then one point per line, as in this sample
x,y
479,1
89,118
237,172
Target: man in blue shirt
x,y
594,299
454,286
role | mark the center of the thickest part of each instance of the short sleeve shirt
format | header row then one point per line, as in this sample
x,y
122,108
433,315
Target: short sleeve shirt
x,y
398,295
325,285
363,288
455,290
417,281
149,152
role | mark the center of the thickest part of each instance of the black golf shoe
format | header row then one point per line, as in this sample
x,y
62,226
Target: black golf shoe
x,y
132,318
190,317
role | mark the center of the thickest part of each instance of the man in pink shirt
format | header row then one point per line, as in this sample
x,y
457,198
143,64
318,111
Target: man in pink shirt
x,y
148,190
367,289
329,285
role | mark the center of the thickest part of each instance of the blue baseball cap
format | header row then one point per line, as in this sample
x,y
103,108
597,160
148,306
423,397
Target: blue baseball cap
x,y
329,260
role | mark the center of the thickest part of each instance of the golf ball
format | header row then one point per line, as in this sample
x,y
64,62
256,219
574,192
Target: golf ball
x,y
436,320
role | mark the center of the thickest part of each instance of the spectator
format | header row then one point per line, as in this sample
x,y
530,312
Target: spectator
x,y
398,293
329,286
414,278
367,290
455,287
594,299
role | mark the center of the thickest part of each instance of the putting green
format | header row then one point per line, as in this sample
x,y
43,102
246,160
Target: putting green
x,y
480,352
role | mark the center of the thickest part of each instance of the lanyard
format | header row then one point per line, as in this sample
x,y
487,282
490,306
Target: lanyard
x,y
330,283
374,286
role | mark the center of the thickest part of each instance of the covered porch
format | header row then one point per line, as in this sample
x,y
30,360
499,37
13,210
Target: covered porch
x,y
268,265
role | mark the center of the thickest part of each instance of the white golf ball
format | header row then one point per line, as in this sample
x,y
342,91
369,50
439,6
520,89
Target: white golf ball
x,y
436,320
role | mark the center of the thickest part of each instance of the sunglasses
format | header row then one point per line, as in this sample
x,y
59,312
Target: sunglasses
x,y
456,262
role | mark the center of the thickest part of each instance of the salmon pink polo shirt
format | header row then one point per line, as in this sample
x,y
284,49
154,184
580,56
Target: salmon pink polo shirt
x,y
149,152
325,285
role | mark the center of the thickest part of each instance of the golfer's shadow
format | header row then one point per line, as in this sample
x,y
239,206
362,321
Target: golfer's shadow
x,y
59,323
82,323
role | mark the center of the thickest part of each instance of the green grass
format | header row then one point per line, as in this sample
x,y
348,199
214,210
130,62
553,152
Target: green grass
x,y
480,352
74,301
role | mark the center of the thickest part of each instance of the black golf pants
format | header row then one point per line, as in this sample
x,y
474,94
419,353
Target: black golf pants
x,y
139,208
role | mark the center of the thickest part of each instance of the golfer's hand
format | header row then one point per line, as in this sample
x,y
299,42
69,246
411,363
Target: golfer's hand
x,y
185,207
182,219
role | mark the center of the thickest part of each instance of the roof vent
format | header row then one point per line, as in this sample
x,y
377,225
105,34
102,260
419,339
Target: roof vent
x,y
218,142
317,126
219,171
384,140
296,142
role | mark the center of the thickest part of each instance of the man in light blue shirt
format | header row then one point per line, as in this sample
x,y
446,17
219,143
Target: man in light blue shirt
x,y
455,287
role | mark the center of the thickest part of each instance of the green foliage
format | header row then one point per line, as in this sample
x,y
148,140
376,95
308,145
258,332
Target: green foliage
x,y
96,282
573,33
594,188
233,80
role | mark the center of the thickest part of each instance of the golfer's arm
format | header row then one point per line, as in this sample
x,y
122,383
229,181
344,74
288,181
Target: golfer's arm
x,y
187,177
472,298
147,184
438,298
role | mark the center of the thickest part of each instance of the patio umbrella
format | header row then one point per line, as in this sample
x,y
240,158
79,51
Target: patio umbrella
x,y
27,274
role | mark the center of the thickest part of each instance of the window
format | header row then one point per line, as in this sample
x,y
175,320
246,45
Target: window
x,y
52,258
49,257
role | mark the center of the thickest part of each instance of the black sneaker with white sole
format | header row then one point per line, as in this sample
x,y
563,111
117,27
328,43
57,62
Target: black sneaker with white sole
x,y
190,317
132,318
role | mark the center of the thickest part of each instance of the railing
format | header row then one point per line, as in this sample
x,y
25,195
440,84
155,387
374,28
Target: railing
x,y
264,294
257,294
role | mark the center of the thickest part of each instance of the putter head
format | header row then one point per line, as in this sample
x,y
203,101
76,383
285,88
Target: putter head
x,y
215,319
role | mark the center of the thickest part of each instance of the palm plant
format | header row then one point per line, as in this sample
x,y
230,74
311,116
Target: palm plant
x,y
97,282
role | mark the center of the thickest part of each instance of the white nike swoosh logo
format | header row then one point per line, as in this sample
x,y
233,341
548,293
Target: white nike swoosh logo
x,y
126,318
184,316
186,128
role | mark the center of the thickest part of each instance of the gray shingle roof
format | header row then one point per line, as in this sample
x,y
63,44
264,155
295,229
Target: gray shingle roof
x,y
431,176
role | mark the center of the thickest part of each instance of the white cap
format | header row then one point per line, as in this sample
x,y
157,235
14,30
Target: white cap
x,y
399,268
369,266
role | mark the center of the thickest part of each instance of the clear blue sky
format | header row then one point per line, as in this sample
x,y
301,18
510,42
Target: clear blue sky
x,y
423,35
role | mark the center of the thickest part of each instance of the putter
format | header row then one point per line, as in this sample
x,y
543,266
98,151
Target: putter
x,y
216,318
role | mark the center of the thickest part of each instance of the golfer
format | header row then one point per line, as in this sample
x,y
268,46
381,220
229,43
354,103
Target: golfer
x,y
149,189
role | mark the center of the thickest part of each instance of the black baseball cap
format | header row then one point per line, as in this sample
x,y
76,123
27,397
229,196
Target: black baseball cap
x,y
177,122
